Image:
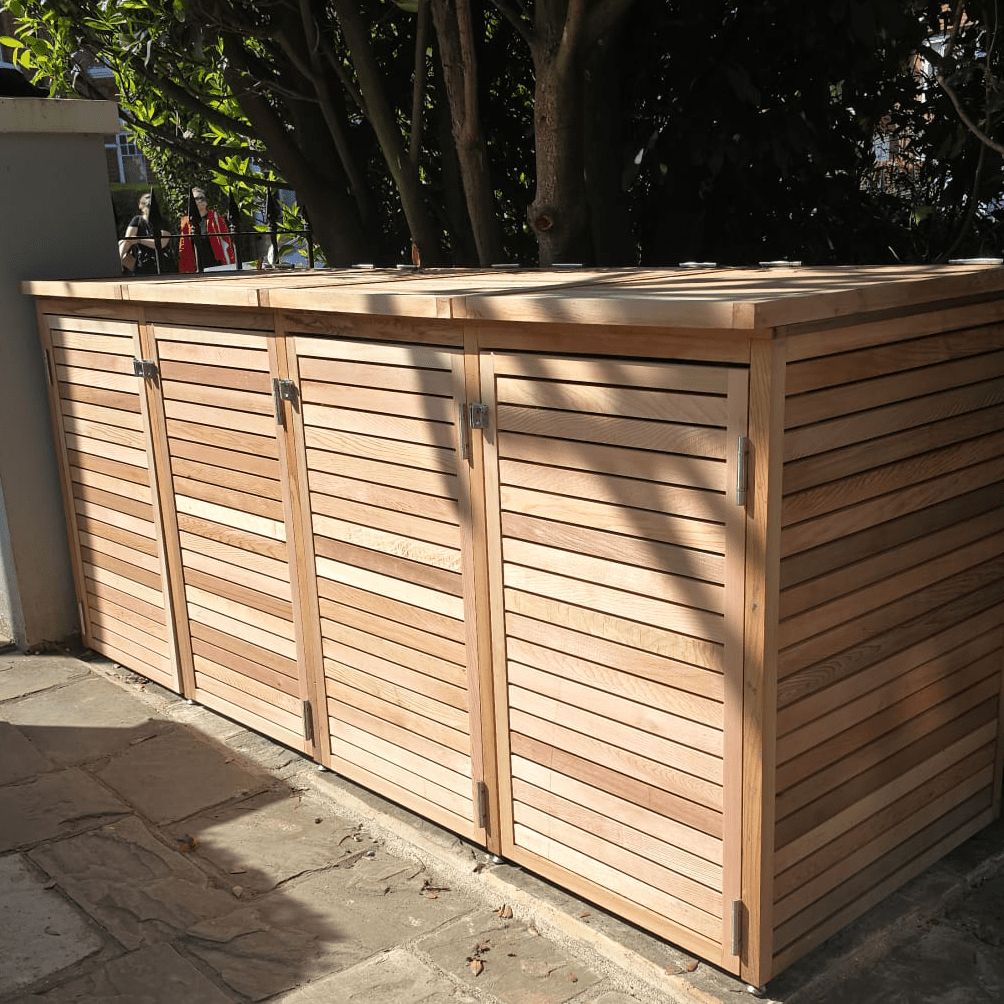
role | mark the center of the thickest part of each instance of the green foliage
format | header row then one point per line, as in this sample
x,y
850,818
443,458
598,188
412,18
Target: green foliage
x,y
737,131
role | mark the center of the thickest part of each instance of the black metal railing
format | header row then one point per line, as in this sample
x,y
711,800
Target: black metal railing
x,y
234,231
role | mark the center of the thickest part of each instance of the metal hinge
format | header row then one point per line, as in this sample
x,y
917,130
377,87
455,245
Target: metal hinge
x,y
742,459
478,415
482,804
308,722
282,390
48,367
737,926
471,416
145,368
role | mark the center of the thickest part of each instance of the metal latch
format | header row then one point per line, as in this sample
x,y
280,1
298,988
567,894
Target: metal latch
x,y
741,469
282,390
145,368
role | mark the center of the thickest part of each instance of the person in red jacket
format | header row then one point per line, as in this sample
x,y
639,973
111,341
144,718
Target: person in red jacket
x,y
211,237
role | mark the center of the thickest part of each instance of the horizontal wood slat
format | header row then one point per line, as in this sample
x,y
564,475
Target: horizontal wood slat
x,y
890,638
380,435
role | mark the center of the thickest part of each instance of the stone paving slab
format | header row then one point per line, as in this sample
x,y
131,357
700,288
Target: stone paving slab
x,y
40,933
85,720
136,888
18,758
156,974
267,839
259,958
395,977
518,965
54,805
21,675
173,775
936,967
321,923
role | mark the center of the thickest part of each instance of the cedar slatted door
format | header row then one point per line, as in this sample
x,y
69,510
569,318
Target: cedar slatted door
x,y
390,511
111,509
618,557
226,474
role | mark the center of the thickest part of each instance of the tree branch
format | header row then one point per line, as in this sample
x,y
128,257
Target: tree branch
x,y
183,97
418,86
964,116
516,19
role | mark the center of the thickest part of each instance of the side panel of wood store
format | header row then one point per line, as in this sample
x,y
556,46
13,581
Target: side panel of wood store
x,y
682,590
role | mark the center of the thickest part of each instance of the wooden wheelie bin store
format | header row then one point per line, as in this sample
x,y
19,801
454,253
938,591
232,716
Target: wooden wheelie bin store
x,y
682,589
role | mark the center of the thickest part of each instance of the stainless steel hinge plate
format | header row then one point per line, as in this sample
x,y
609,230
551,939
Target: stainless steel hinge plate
x,y
478,415
737,926
282,390
470,416
308,722
482,804
144,368
742,472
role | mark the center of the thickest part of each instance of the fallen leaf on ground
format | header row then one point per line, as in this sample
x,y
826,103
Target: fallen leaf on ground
x,y
505,912
573,978
476,966
691,966
238,871
187,844
673,971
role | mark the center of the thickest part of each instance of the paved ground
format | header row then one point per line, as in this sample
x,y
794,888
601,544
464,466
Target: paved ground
x,y
152,852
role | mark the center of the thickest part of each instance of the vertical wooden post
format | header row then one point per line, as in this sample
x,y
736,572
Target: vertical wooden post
x,y
763,528
65,479
467,389
166,514
303,575
735,516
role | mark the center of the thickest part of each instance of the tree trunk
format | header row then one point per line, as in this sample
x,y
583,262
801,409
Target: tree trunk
x,y
455,33
381,117
564,34
559,214
609,209
450,200
334,214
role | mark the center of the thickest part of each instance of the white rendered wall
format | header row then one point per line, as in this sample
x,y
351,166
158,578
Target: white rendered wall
x,y
57,223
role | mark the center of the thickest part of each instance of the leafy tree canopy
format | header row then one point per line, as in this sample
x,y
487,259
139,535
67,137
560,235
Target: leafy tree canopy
x,y
608,131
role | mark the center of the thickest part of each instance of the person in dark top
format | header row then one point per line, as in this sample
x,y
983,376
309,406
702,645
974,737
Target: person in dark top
x,y
136,249
210,238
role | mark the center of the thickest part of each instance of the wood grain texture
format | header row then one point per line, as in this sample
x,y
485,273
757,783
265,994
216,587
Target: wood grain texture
x,y
609,602
889,667
391,540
